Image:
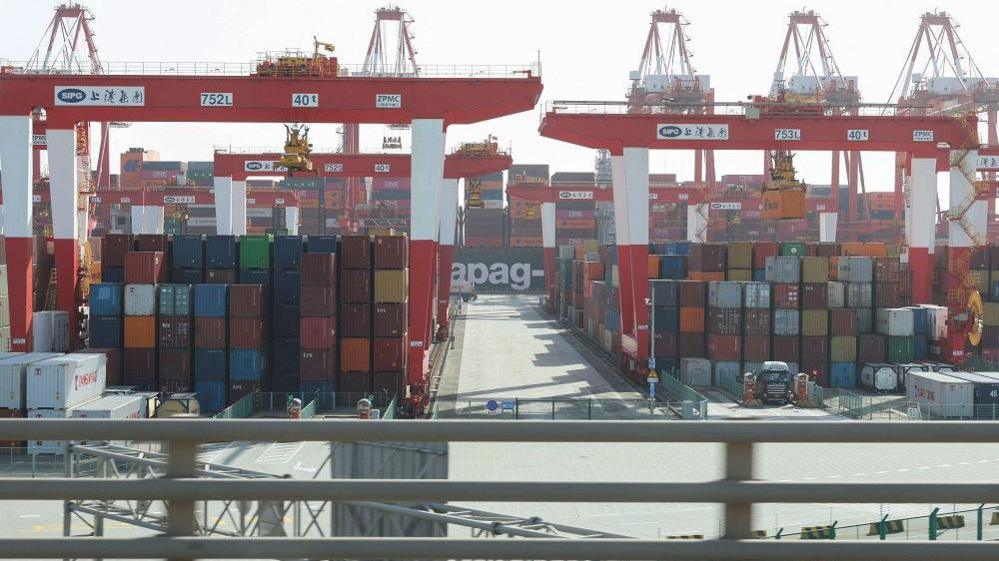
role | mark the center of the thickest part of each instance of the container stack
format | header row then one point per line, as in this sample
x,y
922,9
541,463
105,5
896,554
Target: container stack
x,y
664,316
525,216
724,319
784,274
114,247
247,336
107,324
693,300
815,318
357,297
211,303
389,324
318,331
220,260
898,325
4,308
255,260
286,312
143,271
175,328
707,262
756,325
13,386
55,386
188,265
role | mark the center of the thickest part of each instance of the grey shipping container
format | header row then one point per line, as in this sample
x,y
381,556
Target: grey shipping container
x,y
895,322
140,299
695,372
725,294
787,322
865,320
783,269
942,394
836,294
861,269
13,377
756,294
728,370
859,295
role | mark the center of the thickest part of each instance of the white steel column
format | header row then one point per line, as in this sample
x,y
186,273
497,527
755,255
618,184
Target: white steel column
x,y
64,192
223,205
636,167
548,247
448,211
445,236
291,220
922,227
238,208
619,184
697,222
827,226
15,166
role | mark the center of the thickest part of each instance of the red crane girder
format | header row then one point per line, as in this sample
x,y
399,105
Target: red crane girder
x,y
587,192
456,166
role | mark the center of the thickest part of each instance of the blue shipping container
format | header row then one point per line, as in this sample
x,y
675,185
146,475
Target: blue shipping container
x,y
105,332
672,266
105,299
211,395
246,365
209,365
666,319
188,252
112,274
843,375
918,320
678,248
255,276
187,276
920,347
287,286
285,321
211,300
612,320
759,275
320,244
287,355
220,252
287,252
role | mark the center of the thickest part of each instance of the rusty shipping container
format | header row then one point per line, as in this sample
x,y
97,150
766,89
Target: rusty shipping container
x,y
390,320
355,355
354,383
318,364
756,348
355,286
209,333
317,300
318,332
724,347
145,267
356,320
693,294
318,269
691,345
389,354
175,332
246,333
391,252
355,252
140,332
247,301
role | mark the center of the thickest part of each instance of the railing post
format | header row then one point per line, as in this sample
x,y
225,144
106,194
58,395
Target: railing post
x,y
933,524
980,530
181,463
883,528
738,467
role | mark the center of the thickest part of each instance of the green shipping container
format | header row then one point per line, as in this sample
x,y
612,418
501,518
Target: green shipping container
x,y
792,249
255,252
843,349
901,349
175,299
740,255
815,323
815,269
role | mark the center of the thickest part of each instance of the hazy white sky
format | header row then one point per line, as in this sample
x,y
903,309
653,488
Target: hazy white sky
x,y
587,49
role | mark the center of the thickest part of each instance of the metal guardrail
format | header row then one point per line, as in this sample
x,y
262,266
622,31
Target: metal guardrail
x,y
198,68
566,409
738,491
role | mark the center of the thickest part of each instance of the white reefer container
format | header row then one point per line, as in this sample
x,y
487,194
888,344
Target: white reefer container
x,y
936,321
943,395
13,371
114,406
895,322
879,377
65,381
50,332
48,446
140,299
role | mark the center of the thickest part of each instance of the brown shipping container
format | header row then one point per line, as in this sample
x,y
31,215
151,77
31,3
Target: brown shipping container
x,y
664,344
827,249
113,363
842,321
786,296
175,332
246,333
391,252
390,320
209,333
814,349
756,322
140,332
691,320
724,347
145,267
318,269
318,332
114,247
356,320
318,300
318,365
724,321
247,300
871,348
814,296
693,293
140,368
762,250
152,242
175,366
354,383
355,355
691,345
391,383
786,349
355,286
707,257
390,354
356,252
220,276
391,286
756,348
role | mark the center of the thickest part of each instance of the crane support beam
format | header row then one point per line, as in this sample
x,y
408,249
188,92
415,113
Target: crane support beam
x,y
456,166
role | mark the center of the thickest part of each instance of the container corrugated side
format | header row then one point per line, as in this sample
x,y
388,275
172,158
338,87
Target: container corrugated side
x,y
140,299
942,394
13,373
65,381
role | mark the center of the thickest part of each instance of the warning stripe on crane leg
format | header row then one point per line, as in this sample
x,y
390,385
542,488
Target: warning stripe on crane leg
x,y
891,527
818,532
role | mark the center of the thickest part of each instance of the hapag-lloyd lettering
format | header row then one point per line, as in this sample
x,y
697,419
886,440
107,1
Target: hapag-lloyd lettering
x,y
516,275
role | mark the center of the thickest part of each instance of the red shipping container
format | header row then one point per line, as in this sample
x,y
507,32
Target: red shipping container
x,y
209,333
842,321
724,347
814,296
390,320
318,332
390,383
113,363
355,285
818,372
355,384
664,344
356,320
815,349
318,301
691,320
786,349
247,301
140,368
871,348
238,390
693,294
220,276
175,369
246,333
691,345
114,247
356,252
145,267
756,348
391,252
756,321
762,250
355,355
318,365
826,249
174,332
319,269
390,354
786,296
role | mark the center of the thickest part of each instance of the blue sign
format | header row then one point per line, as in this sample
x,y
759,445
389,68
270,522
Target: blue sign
x,y
492,406
508,406
652,388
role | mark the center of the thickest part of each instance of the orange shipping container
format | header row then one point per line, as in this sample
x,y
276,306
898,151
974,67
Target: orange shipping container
x,y
785,204
706,275
525,241
593,270
653,266
691,320
140,332
355,355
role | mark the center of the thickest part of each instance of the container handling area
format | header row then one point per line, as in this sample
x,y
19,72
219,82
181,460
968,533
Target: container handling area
x,y
412,339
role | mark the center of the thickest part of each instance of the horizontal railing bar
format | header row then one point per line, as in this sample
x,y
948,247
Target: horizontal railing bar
x,y
431,490
471,548
264,430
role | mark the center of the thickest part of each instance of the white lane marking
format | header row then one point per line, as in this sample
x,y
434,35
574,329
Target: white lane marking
x,y
964,463
904,469
881,472
808,479
280,452
298,466
31,516
983,461
835,476
858,474
943,465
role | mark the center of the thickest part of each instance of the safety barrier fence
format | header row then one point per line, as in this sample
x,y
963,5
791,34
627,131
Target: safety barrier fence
x,y
738,491
566,409
888,407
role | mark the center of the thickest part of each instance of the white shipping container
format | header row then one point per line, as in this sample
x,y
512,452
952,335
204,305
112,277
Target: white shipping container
x,y
942,394
936,321
65,381
48,446
115,406
879,377
836,294
895,322
13,371
50,332
140,299
695,372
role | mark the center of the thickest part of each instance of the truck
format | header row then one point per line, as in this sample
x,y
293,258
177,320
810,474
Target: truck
x,y
774,383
